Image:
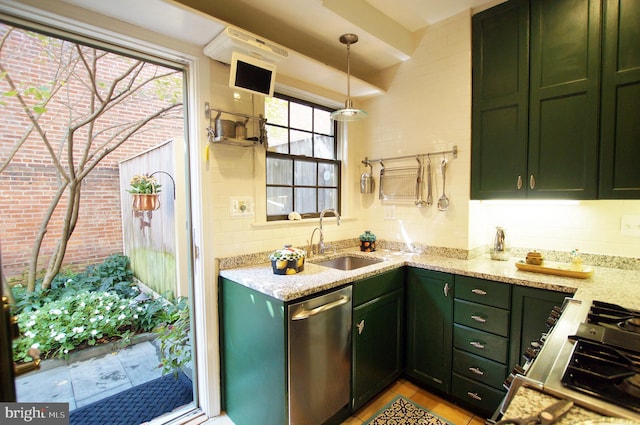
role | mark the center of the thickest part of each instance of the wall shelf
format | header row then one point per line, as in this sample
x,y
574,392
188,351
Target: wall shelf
x,y
232,141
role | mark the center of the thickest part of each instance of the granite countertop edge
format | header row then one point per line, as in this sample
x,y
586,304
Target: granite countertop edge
x,y
608,284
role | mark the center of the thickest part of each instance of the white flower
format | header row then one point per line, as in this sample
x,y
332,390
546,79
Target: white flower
x,y
69,280
122,316
78,329
82,304
66,351
93,319
94,332
30,323
60,336
29,334
55,311
36,345
108,308
135,316
139,308
32,317
122,307
100,317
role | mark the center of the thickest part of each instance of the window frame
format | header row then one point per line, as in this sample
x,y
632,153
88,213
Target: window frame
x,y
336,161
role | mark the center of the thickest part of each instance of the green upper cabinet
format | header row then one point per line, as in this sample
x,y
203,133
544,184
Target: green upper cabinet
x,y
620,137
556,90
500,101
429,328
564,99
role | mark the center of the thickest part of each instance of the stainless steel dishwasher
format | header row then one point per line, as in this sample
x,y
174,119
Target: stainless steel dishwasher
x,y
319,357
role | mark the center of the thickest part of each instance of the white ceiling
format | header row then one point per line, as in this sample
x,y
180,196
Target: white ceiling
x,y
387,29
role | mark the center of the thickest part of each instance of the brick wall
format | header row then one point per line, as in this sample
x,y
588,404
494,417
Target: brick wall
x,y
29,182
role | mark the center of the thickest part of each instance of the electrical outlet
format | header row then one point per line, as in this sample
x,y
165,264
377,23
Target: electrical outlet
x,y
241,207
389,212
630,225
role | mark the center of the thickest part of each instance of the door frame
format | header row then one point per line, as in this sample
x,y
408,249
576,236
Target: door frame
x,y
57,17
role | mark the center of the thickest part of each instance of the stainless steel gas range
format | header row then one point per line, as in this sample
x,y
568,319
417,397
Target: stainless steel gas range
x,y
591,356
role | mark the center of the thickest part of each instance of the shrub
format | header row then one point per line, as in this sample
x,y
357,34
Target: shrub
x,y
83,309
174,338
60,326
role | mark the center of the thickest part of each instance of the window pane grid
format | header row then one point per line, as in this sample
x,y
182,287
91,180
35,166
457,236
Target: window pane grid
x,y
301,135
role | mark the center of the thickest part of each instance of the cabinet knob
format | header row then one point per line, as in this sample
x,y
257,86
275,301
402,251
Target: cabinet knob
x,y
479,318
360,327
479,291
532,182
519,183
446,289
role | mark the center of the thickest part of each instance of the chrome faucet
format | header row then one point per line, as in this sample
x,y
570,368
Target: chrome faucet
x,y
321,245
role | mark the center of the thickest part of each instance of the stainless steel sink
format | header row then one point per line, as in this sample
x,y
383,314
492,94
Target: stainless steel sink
x,y
349,262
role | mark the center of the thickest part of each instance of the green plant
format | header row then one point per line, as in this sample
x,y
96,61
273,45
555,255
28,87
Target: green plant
x,y
144,184
112,275
60,326
174,337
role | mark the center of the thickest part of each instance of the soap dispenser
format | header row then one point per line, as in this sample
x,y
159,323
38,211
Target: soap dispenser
x,y
500,250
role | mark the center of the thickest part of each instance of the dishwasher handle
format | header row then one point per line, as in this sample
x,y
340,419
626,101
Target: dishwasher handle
x,y
305,314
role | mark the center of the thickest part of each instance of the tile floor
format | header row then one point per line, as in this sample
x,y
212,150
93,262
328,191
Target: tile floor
x,y
437,405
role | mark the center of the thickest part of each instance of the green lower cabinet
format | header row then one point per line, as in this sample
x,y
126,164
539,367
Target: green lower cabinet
x,y
529,312
482,398
429,328
377,346
254,359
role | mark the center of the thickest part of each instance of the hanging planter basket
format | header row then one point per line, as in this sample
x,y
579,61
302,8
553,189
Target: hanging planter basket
x,y
145,201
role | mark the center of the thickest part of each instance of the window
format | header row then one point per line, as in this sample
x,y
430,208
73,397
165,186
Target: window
x,y
303,172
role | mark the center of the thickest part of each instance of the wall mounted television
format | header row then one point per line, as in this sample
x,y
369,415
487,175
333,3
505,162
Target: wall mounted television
x,y
251,74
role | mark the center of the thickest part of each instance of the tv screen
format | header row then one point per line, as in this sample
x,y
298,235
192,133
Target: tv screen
x,y
252,75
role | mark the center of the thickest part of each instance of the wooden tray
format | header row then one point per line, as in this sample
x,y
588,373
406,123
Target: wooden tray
x,y
559,270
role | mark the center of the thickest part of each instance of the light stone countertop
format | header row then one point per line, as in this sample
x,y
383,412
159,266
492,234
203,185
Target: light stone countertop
x,y
607,284
529,402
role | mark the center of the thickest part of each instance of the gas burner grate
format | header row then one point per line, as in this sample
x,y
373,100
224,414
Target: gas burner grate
x,y
604,372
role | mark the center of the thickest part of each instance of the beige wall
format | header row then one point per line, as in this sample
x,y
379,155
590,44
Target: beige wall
x,y
426,108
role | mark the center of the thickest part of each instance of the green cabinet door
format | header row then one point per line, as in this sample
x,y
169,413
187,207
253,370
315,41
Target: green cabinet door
x,y
620,137
377,346
253,350
500,101
429,328
529,312
564,89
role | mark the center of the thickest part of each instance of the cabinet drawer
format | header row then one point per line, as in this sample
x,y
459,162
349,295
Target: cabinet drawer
x,y
367,289
483,317
484,344
484,397
478,368
483,291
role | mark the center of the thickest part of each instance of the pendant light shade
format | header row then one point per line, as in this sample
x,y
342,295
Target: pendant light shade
x,y
349,113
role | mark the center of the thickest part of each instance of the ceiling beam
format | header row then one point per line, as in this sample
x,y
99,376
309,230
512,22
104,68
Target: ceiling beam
x,y
374,22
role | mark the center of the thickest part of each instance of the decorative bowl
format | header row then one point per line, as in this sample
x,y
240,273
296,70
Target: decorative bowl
x,y
287,260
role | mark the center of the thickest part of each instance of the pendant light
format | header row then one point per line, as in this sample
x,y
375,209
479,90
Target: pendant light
x,y
348,113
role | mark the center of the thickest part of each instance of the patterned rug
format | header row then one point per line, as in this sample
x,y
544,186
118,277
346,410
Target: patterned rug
x,y
403,411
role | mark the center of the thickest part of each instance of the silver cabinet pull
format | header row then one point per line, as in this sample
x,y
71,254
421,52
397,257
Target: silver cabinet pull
x,y
477,344
446,289
474,396
479,291
532,182
360,327
519,183
479,319
476,370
